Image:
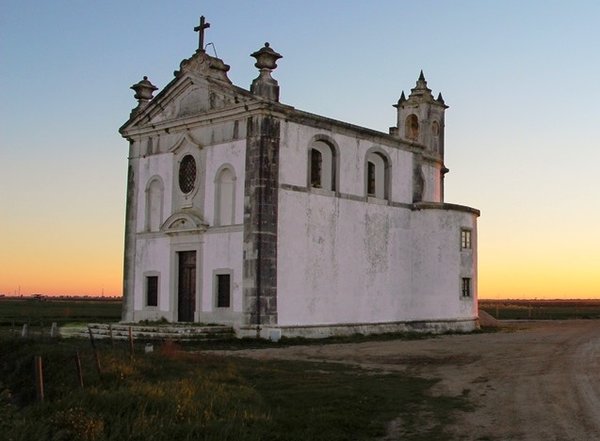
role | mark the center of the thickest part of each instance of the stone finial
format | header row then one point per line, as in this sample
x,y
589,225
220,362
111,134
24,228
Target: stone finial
x,y
143,93
421,82
266,58
421,90
265,85
400,100
144,90
440,98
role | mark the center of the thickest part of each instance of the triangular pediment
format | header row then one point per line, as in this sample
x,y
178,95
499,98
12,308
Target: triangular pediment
x,y
200,88
195,97
199,98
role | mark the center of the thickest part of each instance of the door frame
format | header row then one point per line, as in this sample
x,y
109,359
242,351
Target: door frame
x,y
186,300
185,245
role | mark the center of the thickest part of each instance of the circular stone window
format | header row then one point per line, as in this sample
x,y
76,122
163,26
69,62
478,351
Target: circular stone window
x,y
187,174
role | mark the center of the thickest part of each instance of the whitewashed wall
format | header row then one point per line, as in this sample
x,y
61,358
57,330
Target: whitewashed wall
x,y
439,264
232,154
219,248
223,245
152,255
351,155
433,182
222,251
156,165
342,261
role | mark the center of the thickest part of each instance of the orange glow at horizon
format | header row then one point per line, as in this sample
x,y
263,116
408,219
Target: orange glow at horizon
x,y
531,276
52,264
63,258
539,269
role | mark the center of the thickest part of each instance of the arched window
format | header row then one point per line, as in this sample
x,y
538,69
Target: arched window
x,y
412,127
224,196
322,166
154,204
377,175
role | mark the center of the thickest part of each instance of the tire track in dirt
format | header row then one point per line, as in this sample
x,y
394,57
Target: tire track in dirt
x,y
540,382
543,386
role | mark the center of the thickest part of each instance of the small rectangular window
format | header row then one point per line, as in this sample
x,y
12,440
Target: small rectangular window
x,y
466,287
152,291
465,239
223,290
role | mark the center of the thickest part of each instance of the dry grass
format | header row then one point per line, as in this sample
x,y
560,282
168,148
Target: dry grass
x,y
173,394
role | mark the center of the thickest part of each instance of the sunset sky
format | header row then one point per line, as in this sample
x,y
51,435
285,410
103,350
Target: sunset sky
x,y
520,77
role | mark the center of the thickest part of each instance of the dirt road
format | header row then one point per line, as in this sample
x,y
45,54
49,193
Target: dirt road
x,y
534,381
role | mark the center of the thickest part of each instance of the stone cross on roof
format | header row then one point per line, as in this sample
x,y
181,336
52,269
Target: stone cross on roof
x,y
200,29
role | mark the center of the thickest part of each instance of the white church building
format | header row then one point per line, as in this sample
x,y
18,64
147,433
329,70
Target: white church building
x,y
245,211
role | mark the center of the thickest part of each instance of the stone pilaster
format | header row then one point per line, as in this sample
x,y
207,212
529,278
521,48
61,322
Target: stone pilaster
x,y
129,255
260,221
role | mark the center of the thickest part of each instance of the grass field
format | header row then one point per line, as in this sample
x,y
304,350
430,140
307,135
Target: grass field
x,y
16,312
173,393
170,394
541,309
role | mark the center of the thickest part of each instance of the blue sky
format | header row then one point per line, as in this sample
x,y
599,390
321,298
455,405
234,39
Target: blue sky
x,y
520,79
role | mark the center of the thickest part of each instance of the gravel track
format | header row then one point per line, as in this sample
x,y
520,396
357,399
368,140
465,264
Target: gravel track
x,y
530,381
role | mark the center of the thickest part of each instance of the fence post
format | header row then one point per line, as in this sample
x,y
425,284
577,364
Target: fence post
x,y
79,373
39,377
25,331
95,352
130,343
54,330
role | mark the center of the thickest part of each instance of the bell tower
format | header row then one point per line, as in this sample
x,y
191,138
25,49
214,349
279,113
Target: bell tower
x,y
421,118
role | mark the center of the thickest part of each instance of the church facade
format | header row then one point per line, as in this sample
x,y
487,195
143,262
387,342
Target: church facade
x,y
245,211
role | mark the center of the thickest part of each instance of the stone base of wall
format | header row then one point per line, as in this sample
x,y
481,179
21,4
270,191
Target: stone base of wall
x,y
150,314
323,331
120,331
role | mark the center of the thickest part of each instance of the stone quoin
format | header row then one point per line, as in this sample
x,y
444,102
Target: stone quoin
x,y
245,211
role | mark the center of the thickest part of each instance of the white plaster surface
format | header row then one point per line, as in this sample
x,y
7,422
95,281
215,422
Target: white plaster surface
x,y
342,261
150,167
222,251
351,156
152,256
433,187
232,154
218,249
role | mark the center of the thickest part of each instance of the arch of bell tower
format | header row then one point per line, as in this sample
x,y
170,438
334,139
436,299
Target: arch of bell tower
x,y
420,118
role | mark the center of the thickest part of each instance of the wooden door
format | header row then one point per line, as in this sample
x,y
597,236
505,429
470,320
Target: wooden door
x,y
186,296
